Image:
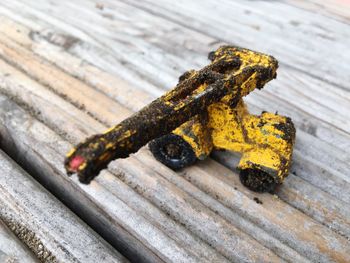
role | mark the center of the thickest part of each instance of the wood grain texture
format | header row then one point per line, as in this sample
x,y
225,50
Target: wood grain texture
x,y
312,84
332,9
12,249
165,247
48,228
317,128
12,78
311,214
308,41
306,122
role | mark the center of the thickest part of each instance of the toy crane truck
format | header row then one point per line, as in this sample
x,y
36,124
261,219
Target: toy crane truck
x,y
205,111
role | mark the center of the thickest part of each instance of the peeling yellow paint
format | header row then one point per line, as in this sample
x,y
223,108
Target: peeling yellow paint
x,y
206,109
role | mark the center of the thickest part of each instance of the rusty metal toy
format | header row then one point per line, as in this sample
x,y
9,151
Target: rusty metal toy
x,y
205,111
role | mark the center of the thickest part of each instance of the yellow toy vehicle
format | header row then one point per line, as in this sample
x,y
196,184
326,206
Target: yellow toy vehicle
x,y
265,142
205,111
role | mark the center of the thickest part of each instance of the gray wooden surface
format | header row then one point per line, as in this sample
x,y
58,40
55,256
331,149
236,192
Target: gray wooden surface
x,y
69,69
43,224
12,249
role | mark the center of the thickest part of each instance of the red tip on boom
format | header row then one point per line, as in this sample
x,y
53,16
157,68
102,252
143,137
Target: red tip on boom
x,y
76,162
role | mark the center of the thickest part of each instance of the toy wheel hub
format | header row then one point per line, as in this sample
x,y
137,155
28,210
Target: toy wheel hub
x,y
173,150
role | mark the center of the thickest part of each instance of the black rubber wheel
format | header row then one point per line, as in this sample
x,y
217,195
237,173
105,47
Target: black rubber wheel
x,y
173,151
257,180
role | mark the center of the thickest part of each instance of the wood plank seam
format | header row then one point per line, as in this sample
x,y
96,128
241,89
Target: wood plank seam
x,y
221,39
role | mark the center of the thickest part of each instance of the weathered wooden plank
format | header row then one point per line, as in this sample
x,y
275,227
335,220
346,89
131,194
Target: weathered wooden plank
x,y
116,25
12,249
315,109
48,228
100,208
335,182
332,9
290,79
169,75
232,234
22,55
74,131
319,130
254,231
81,9
21,94
296,38
305,197
334,185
